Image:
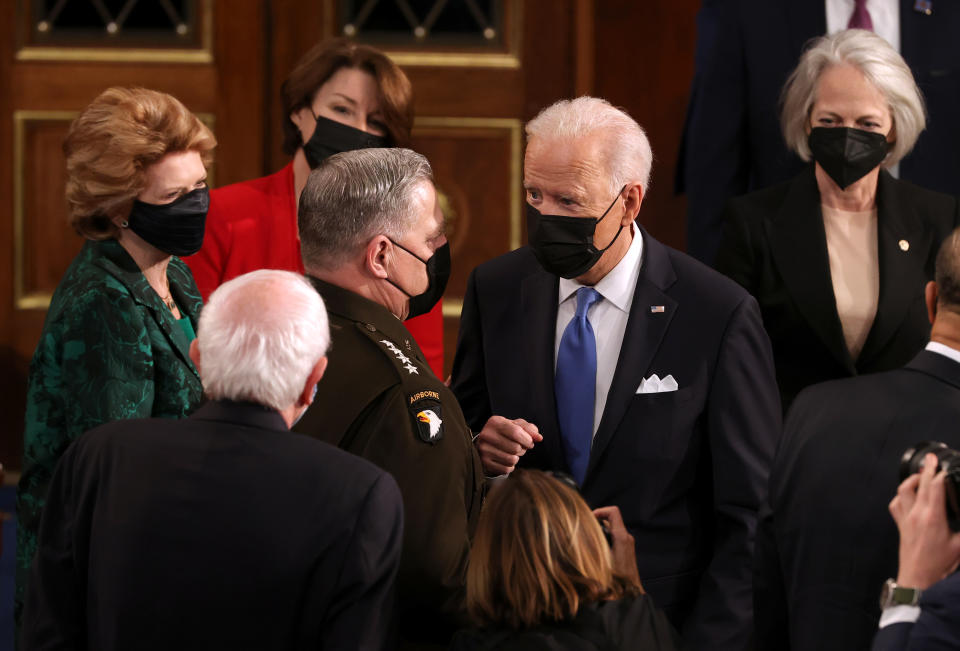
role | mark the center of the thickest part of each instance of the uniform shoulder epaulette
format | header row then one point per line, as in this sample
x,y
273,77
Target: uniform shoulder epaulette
x,y
418,384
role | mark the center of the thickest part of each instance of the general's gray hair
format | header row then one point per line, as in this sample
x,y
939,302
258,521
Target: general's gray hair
x,y
879,63
259,337
627,155
354,196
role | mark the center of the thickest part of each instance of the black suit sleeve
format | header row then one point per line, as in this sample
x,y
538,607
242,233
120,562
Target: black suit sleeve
x,y
715,154
54,616
468,377
362,603
744,420
736,256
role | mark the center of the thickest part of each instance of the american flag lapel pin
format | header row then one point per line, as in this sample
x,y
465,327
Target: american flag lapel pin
x,y
923,6
656,309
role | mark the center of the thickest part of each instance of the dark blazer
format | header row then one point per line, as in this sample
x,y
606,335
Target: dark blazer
x,y
221,531
732,142
937,629
383,387
622,625
775,246
826,541
687,468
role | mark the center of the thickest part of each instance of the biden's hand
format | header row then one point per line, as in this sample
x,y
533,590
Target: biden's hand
x,y
502,442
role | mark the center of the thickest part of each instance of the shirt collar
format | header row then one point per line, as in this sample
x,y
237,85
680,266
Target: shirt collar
x,y
618,285
946,351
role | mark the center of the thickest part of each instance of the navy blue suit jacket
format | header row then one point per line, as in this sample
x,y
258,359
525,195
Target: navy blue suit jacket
x,y
732,142
826,541
223,530
937,629
688,468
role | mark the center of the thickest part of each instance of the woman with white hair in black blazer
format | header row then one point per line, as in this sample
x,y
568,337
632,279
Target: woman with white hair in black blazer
x,y
838,256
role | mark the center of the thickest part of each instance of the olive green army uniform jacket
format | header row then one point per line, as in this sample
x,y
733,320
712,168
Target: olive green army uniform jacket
x,y
110,349
380,400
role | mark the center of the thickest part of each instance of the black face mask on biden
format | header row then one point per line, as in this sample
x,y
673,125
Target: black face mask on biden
x,y
564,245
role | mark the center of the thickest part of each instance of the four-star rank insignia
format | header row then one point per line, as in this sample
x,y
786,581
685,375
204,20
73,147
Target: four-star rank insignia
x,y
427,415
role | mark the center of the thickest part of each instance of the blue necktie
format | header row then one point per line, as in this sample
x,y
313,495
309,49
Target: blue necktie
x,y
575,385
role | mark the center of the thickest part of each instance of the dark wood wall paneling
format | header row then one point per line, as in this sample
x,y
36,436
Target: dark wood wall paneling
x,y
644,64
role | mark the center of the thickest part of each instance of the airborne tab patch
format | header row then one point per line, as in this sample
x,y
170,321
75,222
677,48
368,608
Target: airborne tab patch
x,y
427,414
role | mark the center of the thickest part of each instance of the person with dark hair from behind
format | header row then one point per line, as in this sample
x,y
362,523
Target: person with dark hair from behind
x,y
543,576
825,540
922,606
223,530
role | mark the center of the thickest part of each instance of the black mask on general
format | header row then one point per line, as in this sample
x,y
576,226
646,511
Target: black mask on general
x,y
330,137
847,154
564,245
176,227
438,272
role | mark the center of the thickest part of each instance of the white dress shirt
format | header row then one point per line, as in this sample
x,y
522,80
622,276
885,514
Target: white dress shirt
x,y
607,317
885,15
946,351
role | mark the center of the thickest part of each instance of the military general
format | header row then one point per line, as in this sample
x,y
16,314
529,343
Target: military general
x,y
373,243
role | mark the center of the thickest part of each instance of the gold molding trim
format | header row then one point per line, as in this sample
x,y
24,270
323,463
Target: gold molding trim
x,y
23,300
515,129
203,54
453,58
452,307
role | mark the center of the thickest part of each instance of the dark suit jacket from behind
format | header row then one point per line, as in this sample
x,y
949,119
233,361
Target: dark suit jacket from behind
x,y
221,531
937,629
732,142
688,468
826,541
776,247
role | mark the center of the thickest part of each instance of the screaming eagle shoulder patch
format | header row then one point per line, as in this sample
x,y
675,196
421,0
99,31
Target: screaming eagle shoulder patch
x,y
427,415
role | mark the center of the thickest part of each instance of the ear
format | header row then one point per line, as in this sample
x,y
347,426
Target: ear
x,y
306,395
375,256
195,354
930,296
634,197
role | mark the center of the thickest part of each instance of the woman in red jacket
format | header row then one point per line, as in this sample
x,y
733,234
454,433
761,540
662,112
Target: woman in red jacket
x,y
340,96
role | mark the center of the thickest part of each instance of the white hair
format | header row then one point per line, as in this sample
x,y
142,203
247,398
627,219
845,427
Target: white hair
x,y
879,63
355,195
259,337
627,155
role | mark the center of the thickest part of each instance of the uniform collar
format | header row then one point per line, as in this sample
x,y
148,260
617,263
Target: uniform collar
x,y
363,311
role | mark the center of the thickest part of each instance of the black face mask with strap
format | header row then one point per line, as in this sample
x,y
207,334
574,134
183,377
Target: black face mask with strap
x,y
331,137
438,272
847,154
564,245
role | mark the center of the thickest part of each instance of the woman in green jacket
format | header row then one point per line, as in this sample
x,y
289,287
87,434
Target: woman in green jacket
x,y
115,341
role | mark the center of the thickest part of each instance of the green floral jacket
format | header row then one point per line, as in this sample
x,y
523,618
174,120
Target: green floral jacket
x,y
110,349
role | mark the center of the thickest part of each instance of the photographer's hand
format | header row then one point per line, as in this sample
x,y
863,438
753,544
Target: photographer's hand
x,y
502,442
929,550
622,544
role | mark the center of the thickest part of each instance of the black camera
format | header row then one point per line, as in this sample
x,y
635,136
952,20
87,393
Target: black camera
x,y
947,460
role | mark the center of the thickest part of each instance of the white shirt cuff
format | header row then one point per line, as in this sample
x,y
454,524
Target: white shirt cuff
x,y
899,614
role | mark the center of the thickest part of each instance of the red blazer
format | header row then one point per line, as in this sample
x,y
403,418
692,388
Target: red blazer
x,y
253,225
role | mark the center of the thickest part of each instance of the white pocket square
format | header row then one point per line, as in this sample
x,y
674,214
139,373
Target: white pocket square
x,y
654,384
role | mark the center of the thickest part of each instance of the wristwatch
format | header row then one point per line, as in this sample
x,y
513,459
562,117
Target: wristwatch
x,y
897,595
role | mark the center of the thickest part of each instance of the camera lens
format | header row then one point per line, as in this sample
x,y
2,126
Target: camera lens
x,y
948,460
